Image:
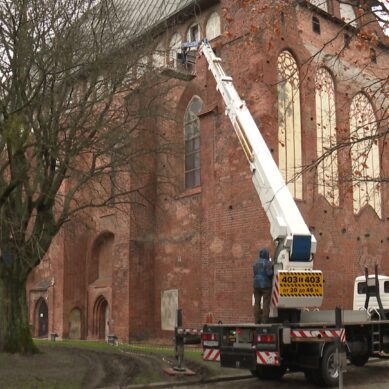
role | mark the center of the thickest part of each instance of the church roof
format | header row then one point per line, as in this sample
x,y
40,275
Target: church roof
x,y
138,16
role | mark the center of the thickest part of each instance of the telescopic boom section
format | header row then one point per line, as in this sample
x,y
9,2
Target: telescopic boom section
x,y
295,284
295,243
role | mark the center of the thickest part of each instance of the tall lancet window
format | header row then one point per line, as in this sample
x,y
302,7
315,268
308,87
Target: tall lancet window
x,y
365,157
289,123
192,142
327,170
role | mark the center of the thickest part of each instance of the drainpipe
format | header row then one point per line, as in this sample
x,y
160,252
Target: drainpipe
x,y
52,304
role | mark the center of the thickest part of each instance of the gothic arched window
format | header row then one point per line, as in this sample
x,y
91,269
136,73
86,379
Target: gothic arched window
x,y
193,33
365,157
347,13
327,170
289,123
192,142
213,27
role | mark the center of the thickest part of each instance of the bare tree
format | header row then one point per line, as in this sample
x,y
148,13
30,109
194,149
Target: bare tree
x,y
78,100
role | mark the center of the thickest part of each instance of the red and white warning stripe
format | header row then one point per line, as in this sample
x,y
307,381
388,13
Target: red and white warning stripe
x,y
343,335
268,358
276,292
301,334
211,354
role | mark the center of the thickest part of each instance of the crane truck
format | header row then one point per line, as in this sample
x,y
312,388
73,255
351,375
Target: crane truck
x,y
297,338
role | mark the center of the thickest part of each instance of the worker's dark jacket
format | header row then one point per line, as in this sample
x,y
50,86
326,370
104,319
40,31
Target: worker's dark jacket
x,y
263,271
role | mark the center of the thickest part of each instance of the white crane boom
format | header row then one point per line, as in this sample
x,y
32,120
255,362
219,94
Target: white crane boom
x,y
295,284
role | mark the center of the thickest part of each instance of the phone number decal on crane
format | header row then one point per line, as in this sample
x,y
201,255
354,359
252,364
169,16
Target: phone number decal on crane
x,y
301,284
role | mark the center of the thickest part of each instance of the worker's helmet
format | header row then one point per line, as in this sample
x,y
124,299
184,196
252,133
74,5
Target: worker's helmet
x,y
264,253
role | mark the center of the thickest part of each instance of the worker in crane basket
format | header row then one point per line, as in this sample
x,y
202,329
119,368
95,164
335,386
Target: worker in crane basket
x,y
262,283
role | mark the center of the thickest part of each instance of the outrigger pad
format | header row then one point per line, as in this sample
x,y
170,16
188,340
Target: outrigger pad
x,y
178,372
178,73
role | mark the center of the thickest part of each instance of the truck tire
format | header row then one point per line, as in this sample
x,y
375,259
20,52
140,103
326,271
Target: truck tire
x,y
359,360
328,372
269,372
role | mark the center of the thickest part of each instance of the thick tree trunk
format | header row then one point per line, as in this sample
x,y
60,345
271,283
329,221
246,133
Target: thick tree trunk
x,y
15,334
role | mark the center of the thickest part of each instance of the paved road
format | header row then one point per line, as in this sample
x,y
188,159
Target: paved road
x,y
374,375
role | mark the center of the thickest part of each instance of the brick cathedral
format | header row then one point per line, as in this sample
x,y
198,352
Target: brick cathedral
x,y
307,81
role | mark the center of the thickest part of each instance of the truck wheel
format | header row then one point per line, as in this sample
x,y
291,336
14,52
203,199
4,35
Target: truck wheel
x,y
269,372
359,360
328,373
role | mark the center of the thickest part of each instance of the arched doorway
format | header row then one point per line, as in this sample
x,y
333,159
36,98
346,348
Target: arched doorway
x,y
75,324
101,318
42,318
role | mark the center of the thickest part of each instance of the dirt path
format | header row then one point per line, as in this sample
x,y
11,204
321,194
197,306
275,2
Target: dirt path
x,y
67,367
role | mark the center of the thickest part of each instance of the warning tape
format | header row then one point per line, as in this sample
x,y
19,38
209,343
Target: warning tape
x,y
298,273
301,334
211,355
268,358
276,292
301,294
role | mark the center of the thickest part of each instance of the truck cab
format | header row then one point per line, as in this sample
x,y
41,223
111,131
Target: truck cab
x,y
360,292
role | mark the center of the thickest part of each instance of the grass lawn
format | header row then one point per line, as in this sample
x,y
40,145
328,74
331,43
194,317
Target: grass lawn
x,y
74,364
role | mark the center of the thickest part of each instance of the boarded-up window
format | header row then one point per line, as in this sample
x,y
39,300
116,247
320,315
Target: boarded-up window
x,y
213,28
102,254
327,170
192,143
75,324
289,123
321,4
365,157
169,306
193,33
347,14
